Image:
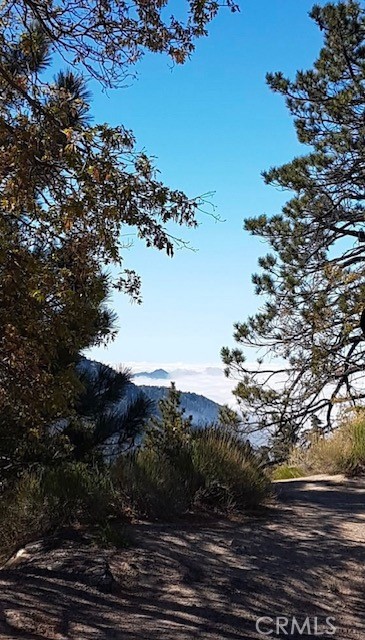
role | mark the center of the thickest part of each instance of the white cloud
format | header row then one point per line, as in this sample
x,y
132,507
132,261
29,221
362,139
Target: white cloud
x,y
205,379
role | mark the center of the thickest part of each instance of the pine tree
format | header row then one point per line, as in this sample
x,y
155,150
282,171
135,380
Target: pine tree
x,y
69,191
170,432
107,419
108,37
229,420
313,281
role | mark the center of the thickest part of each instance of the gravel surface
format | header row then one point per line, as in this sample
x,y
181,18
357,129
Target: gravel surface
x,y
302,558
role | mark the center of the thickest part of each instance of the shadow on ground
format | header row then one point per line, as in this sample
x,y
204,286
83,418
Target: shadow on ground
x,y
304,557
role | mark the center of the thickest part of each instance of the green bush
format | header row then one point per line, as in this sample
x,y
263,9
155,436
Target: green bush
x,y
354,463
158,486
286,472
77,492
23,514
42,501
160,479
213,471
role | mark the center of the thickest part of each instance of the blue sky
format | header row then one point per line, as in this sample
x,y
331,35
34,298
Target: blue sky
x,y
213,125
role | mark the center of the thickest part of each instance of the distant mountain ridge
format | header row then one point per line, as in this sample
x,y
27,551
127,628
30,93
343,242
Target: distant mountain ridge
x,y
157,374
162,374
203,410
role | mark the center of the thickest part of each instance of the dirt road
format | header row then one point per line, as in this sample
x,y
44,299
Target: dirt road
x,y
304,557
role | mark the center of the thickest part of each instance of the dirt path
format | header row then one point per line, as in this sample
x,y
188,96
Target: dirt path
x,y
305,557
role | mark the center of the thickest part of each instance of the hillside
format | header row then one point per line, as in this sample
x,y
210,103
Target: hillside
x,y
201,409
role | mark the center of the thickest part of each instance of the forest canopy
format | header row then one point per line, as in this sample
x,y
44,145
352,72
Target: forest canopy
x,y
307,332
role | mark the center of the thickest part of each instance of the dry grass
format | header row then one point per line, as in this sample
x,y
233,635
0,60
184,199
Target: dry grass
x,y
287,472
212,471
343,451
44,501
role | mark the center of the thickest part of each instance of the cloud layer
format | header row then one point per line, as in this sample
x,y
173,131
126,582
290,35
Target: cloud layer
x,y
205,379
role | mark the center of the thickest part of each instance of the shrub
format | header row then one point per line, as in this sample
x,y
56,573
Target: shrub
x,y
42,501
224,461
178,467
341,452
158,486
215,472
23,514
286,472
159,478
78,492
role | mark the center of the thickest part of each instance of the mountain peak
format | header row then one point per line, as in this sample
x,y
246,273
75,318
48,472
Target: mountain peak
x,y
157,374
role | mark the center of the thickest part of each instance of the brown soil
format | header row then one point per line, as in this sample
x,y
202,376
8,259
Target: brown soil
x,y
305,556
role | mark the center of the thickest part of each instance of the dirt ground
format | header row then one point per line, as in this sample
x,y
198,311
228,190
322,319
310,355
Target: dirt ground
x,y
304,556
